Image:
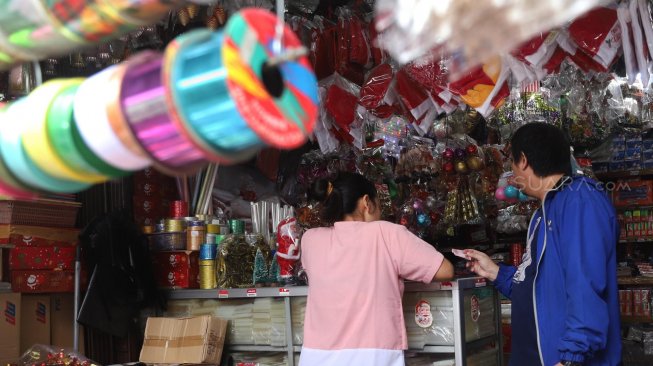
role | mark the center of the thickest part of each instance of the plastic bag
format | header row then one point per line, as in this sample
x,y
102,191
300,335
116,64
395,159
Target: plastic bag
x,y
472,31
46,355
376,93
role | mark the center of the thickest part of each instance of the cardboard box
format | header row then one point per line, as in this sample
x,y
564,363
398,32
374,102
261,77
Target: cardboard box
x,y
184,340
41,281
35,321
62,311
631,193
24,235
10,306
52,257
176,269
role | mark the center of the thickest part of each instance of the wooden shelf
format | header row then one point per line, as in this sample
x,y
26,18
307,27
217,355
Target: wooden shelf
x,y
636,240
638,280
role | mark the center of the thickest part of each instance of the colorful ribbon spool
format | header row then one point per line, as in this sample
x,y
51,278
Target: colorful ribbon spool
x,y
32,32
141,12
37,142
17,160
9,185
142,98
92,121
222,100
66,140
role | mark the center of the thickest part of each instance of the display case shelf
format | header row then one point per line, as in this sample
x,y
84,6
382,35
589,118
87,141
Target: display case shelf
x,y
462,291
635,281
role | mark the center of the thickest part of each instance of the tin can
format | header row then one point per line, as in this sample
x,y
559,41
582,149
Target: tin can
x,y
210,238
195,235
213,228
516,253
179,208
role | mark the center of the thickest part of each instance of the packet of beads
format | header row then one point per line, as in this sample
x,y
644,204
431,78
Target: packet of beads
x,y
235,262
44,355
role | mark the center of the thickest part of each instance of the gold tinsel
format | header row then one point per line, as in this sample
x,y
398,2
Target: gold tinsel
x,y
183,16
212,23
220,15
193,10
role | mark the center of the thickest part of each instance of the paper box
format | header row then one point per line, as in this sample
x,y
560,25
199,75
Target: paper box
x,y
51,257
176,269
633,193
62,311
183,340
35,321
40,281
10,306
24,235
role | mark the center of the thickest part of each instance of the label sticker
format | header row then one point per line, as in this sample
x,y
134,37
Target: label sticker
x,y
423,316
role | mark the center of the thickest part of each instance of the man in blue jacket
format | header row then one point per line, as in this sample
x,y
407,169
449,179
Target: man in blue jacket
x,y
565,301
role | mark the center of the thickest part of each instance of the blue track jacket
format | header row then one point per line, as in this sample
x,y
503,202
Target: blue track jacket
x,y
575,296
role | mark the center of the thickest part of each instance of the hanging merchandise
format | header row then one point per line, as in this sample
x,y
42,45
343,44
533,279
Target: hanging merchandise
x,y
414,28
260,101
160,109
288,249
34,29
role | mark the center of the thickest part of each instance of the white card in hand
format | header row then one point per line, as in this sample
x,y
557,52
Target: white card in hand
x,y
459,253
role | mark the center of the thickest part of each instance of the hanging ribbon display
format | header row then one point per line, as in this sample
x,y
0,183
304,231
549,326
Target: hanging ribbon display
x,y
210,97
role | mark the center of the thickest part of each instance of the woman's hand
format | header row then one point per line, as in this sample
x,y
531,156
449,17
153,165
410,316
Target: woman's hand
x,y
481,264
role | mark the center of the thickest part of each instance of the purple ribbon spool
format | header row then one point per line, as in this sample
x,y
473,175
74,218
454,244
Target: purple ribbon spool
x,y
143,101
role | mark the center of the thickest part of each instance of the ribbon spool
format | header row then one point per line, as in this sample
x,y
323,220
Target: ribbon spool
x,y
92,121
227,104
9,185
31,32
17,160
66,140
37,142
142,98
141,12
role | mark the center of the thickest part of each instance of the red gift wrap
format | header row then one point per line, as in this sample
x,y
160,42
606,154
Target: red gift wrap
x,y
176,269
41,281
53,257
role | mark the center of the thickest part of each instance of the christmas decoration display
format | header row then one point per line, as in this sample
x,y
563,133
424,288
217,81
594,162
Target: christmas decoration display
x,y
45,355
288,248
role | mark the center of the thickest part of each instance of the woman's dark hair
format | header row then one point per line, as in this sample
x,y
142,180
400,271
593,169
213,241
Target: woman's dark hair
x,y
342,198
545,146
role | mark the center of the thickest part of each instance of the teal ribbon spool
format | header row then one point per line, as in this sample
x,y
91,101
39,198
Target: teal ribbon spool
x,y
17,160
198,87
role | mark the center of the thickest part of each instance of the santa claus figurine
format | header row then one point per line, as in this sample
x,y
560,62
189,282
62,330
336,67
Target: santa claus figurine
x,y
287,247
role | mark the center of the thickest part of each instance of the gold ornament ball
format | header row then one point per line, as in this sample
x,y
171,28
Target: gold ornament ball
x,y
461,167
474,163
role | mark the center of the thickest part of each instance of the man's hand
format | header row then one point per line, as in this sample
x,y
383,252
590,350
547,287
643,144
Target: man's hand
x,y
481,264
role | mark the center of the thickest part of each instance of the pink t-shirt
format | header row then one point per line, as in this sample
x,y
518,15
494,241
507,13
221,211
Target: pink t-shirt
x,y
355,271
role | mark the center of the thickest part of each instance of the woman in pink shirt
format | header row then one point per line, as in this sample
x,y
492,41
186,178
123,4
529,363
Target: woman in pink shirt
x,y
356,270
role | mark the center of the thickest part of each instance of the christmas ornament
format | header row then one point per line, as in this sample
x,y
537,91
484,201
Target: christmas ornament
x,y
448,154
471,149
511,192
500,194
523,197
459,153
461,167
447,167
474,163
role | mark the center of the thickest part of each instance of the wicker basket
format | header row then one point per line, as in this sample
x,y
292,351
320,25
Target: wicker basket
x,y
39,213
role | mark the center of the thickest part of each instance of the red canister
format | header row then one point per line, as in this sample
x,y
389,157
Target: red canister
x,y
179,208
516,253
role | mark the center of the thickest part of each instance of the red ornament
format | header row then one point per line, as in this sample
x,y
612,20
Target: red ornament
x,y
472,149
447,167
448,153
403,221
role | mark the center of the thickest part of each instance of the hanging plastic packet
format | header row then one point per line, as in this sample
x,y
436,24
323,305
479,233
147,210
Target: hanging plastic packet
x,y
484,88
598,34
414,98
623,15
641,51
647,24
377,94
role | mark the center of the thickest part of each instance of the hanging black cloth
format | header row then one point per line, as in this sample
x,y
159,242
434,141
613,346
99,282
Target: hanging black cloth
x,y
122,281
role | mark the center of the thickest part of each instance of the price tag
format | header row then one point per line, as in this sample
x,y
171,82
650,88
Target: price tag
x,y
480,282
251,292
284,292
446,285
223,294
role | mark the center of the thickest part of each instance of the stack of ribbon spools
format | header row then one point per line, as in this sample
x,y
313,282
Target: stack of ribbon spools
x,y
35,29
210,97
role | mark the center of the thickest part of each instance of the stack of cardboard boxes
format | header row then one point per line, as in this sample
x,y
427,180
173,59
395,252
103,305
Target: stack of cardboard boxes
x,y
39,262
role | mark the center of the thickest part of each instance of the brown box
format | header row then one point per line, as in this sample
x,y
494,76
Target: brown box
x,y
10,306
35,321
62,310
26,235
184,340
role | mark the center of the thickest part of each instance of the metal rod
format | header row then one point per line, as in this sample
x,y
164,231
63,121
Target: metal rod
x,y
78,274
277,45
